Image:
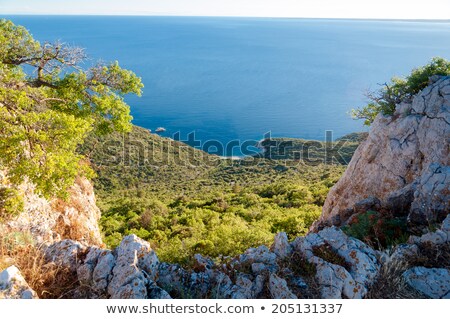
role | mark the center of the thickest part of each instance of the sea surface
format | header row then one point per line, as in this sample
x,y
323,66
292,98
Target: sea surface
x,y
238,78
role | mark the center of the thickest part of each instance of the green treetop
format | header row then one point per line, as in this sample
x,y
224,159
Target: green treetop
x,y
400,89
49,104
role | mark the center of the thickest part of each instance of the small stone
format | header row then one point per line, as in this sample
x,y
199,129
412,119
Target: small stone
x,y
14,286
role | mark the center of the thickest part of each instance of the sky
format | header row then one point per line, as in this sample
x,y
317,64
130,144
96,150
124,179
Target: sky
x,y
360,9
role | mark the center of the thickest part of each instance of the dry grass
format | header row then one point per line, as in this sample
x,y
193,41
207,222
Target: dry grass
x,y
47,279
73,226
432,256
328,253
390,284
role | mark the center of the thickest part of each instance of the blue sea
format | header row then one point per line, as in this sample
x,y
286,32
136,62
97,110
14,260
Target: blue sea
x,y
239,78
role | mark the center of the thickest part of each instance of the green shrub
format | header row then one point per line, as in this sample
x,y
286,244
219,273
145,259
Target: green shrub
x,y
11,202
377,230
400,89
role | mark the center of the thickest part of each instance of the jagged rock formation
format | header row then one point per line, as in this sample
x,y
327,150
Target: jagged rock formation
x,y
327,264
134,271
14,286
402,167
50,221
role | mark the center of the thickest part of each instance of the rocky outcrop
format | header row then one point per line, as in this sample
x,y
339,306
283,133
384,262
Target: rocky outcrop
x,y
403,165
14,286
433,283
327,264
49,221
351,266
134,271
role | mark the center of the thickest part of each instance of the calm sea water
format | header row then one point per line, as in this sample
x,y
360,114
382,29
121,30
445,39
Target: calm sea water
x,y
238,78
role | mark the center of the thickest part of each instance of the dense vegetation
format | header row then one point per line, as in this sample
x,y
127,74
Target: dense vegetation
x,y
400,89
313,152
184,201
49,104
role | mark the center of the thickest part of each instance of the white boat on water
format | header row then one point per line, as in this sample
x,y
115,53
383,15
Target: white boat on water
x,y
160,130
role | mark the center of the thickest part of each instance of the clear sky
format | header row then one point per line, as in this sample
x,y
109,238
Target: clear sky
x,y
378,9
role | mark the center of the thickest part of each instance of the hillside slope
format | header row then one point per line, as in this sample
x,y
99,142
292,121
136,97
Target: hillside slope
x,y
185,201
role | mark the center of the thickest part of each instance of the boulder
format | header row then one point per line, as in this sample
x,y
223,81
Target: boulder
x,y
65,253
335,280
135,266
14,286
261,254
432,282
403,165
279,289
281,246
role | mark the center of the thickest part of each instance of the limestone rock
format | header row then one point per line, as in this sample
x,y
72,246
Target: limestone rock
x,y
258,255
279,289
404,252
155,292
96,269
431,201
281,246
102,273
408,152
361,258
65,253
336,281
438,237
136,264
14,286
50,221
432,282
245,288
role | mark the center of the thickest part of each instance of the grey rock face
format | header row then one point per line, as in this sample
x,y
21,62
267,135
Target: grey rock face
x,y
65,253
431,201
281,246
258,255
14,286
49,221
432,282
404,163
130,279
279,289
337,281
243,289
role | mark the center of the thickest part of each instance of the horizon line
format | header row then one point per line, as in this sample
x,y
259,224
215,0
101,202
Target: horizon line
x,y
222,16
